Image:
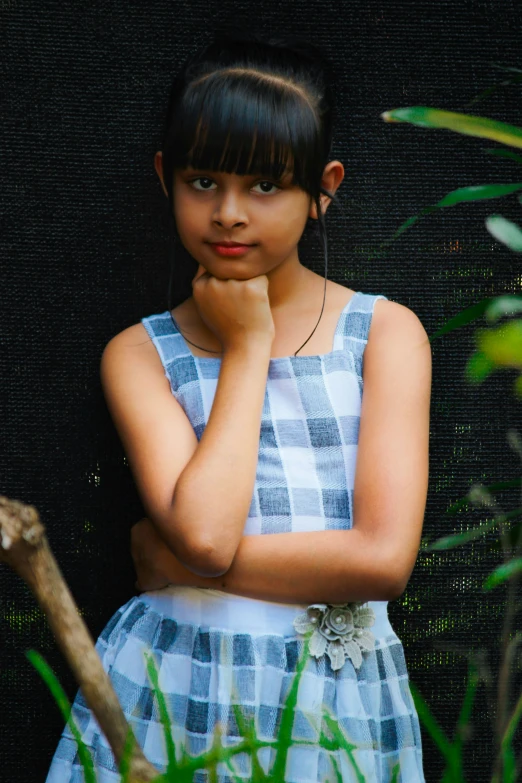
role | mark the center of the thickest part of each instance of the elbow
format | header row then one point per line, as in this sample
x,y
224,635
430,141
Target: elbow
x,y
204,560
394,590
197,553
394,580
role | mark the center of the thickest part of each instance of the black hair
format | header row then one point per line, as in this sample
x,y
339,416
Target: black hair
x,y
268,104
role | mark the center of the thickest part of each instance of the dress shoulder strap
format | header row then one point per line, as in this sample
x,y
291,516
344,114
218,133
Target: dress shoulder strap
x,y
169,344
357,324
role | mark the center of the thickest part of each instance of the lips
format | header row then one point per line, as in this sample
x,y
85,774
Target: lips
x,y
230,249
230,244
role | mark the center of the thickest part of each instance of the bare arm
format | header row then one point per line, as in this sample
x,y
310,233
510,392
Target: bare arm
x,y
332,566
213,494
374,560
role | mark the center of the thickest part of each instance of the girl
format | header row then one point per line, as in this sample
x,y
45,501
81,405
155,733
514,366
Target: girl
x,y
283,503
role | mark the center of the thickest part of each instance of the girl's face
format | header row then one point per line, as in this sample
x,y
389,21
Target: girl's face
x,y
212,206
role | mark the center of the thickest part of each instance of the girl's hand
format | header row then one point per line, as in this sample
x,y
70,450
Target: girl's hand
x,y
237,311
156,566
148,552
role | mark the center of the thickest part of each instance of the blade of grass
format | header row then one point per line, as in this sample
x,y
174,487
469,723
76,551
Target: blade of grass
x,y
284,738
248,732
465,713
60,697
124,767
338,742
437,734
343,743
508,757
152,671
337,771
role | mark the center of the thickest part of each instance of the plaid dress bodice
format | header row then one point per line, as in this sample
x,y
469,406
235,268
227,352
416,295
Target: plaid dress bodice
x,y
309,423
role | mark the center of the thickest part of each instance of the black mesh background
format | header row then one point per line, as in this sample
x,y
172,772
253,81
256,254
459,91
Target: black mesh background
x,y
85,254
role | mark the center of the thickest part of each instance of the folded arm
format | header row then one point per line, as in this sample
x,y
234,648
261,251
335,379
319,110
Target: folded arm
x,y
373,560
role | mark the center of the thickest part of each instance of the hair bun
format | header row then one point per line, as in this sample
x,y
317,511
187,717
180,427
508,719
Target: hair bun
x,y
304,50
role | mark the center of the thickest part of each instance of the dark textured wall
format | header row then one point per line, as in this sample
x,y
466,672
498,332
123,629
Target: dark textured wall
x,y
84,254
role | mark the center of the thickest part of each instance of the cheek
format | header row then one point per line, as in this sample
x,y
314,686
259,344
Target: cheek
x,y
287,226
188,219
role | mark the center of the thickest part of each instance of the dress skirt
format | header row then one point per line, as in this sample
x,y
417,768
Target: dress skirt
x,y
205,643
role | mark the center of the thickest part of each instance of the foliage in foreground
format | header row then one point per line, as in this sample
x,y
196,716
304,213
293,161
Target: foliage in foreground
x,y
181,765
497,347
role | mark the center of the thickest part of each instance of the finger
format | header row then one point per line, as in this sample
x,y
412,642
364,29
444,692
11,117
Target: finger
x,y
201,271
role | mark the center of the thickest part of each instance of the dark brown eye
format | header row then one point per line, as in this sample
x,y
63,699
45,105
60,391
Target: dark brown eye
x,y
201,179
270,185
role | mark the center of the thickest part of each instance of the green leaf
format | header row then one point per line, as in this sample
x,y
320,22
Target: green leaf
x,y
467,124
458,539
505,231
464,502
502,573
508,304
503,344
503,154
465,317
478,193
470,193
478,367
60,697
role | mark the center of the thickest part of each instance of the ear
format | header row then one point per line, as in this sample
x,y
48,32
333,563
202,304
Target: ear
x,y
158,165
333,175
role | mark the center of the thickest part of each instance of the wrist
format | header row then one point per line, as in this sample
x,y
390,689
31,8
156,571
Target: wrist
x,y
261,344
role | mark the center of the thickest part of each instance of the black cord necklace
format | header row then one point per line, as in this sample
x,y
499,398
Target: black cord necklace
x,y
220,352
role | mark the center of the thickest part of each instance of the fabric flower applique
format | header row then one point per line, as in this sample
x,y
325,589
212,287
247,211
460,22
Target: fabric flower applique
x,y
339,630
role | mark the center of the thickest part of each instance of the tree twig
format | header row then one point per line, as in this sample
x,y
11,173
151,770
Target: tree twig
x,y
25,548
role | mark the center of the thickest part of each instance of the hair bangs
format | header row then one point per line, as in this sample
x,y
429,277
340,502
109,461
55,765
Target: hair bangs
x,y
247,124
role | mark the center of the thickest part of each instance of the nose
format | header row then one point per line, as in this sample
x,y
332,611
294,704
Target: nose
x,y
230,212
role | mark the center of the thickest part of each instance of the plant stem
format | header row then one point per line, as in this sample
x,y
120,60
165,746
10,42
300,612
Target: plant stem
x,y
505,649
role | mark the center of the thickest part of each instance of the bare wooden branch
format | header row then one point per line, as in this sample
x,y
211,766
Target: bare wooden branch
x,y
25,548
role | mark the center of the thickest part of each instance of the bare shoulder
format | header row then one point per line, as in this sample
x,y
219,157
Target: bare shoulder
x,y
133,337
397,341
392,322
131,351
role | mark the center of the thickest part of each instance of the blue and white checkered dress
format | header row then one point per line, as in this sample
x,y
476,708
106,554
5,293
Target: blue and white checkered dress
x,y
204,641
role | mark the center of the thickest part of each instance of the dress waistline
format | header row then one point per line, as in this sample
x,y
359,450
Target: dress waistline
x,y
229,612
